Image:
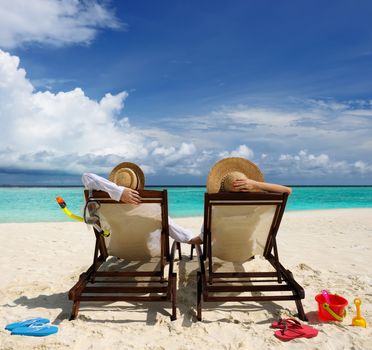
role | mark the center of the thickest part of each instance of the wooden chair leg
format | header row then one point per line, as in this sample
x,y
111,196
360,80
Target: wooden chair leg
x,y
174,296
179,250
192,251
298,292
75,310
300,309
199,295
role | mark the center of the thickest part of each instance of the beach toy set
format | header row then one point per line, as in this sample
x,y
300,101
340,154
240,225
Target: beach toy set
x,y
332,307
36,327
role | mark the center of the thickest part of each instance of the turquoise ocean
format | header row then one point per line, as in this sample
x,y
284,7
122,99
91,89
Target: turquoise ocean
x,y
37,204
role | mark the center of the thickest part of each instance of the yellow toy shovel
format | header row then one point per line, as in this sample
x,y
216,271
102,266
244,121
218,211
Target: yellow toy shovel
x,y
358,320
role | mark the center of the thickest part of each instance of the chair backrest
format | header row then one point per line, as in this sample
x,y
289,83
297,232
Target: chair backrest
x,y
238,226
137,232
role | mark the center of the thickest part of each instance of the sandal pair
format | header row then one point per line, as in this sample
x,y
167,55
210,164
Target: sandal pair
x,y
290,328
37,327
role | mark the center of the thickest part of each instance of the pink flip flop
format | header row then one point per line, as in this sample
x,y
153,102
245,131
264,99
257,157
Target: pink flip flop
x,y
283,322
291,329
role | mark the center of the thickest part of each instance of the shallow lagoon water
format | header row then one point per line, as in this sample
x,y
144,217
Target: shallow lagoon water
x,y
37,204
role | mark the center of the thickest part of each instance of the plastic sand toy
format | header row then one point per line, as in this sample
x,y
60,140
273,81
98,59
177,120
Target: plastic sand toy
x,y
358,320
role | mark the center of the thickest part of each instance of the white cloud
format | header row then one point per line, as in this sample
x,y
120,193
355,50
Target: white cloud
x,y
168,157
242,151
341,129
307,161
262,116
172,154
363,167
53,22
70,132
307,164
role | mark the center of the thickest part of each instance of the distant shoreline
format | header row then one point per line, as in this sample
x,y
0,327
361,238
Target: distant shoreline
x,y
185,219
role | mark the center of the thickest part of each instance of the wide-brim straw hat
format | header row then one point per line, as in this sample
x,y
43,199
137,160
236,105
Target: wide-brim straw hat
x,y
128,175
231,165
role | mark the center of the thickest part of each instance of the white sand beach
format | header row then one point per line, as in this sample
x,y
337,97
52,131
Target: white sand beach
x,y
329,249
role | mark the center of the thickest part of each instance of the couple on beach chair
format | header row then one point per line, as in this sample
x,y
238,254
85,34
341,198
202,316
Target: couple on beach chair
x,y
134,263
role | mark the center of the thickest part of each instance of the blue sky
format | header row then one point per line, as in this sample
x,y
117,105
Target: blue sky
x,y
175,86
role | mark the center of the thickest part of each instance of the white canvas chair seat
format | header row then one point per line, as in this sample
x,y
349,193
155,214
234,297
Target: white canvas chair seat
x,y
240,232
135,231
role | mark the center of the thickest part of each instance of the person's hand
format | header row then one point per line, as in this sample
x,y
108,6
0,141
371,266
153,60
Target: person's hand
x,y
130,196
245,185
195,240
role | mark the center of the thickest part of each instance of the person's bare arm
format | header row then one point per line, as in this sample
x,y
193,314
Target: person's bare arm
x,y
118,193
130,196
274,187
248,185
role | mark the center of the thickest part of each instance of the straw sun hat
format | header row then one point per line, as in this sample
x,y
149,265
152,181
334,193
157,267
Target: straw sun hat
x,y
128,175
226,171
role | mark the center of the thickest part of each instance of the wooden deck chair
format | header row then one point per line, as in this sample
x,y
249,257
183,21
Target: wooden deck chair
x,y
237,227
139,246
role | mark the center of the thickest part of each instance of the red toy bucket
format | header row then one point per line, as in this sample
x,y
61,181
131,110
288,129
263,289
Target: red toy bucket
x,y
335,311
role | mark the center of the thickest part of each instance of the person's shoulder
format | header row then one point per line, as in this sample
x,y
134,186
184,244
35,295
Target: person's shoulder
x,y
88,176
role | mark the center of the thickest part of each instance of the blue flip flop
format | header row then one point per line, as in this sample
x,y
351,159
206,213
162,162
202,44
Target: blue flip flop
x,y
26,323
36,330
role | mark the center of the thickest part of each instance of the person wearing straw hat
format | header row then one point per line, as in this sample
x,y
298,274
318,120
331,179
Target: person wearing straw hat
x,y
124,181
123,184
237,174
